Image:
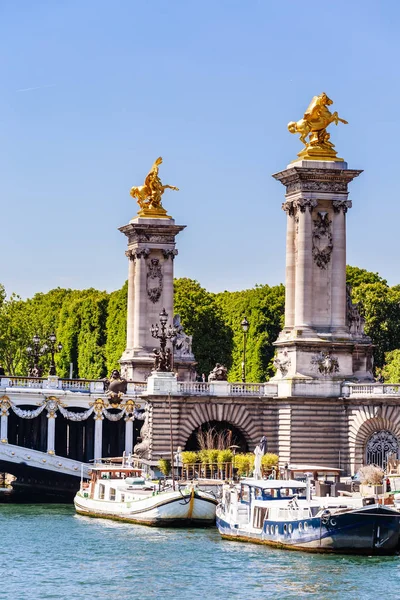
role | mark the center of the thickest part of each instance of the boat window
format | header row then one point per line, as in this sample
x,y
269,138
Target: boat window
x,y
290,528
300,526
267,529
258,493
285,528
260,514
112,493
101,491
290,492
245,493
276,529
268,494
305,526
314,510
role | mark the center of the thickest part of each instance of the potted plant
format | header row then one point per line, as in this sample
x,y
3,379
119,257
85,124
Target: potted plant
x,y
371,479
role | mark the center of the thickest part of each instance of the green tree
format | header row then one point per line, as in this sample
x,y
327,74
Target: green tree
x,y
202,318
391,368
356,276
116,327
264,308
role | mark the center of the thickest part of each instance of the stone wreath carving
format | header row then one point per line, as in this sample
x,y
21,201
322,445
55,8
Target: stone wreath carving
x,y
282,362
154,280
325,363
322,240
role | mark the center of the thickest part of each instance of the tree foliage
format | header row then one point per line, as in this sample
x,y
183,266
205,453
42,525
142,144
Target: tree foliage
x,y
91,325
202,317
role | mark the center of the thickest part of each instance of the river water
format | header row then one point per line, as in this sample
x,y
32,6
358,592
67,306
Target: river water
x,y
47,551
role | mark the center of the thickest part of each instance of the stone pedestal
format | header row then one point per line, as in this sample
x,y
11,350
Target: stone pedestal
x,y
322,342
162,384
151,252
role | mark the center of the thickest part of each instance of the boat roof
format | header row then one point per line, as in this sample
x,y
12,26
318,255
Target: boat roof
x,y
116,468
274,483
313,468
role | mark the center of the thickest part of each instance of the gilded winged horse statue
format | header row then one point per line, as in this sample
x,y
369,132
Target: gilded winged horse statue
x,y
314,123
149,195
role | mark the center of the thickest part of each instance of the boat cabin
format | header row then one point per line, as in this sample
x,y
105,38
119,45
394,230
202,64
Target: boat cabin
x,y
116,484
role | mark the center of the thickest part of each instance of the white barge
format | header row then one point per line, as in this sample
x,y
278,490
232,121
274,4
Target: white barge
x,y
123,494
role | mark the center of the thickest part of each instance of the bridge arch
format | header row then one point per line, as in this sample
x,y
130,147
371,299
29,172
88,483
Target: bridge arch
x,y
232,414
368,423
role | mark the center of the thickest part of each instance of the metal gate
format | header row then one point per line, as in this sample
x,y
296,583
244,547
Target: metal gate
x,y
379,446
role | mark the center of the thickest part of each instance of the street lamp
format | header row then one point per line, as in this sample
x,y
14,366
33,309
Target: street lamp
x,y
245,327
35,351
163,355
53,349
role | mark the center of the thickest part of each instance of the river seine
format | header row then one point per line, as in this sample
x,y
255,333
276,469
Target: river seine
x,y
50,552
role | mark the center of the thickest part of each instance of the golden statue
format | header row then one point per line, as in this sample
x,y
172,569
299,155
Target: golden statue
x,y
314,123
149,195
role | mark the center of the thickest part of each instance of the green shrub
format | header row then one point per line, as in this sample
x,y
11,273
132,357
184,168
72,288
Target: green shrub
x,y
269,460
189,458
224,456
165,466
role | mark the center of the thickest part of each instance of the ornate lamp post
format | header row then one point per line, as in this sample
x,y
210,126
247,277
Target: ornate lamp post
x,y
163,359
35,351
53,349
245,327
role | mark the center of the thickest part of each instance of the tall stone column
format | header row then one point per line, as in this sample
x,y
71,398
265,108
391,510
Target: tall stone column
x,y
98,436
290,265
131,299
151,250
339,305
4,411
51,432
139,305
128,434
303,278
322,343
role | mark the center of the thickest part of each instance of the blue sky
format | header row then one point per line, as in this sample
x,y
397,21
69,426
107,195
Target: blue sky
x,y
92,92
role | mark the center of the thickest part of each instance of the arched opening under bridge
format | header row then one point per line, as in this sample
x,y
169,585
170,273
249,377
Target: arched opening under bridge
x,y
218,435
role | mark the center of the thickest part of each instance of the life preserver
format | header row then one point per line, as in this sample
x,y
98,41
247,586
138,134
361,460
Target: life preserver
x,y
325,517
332,522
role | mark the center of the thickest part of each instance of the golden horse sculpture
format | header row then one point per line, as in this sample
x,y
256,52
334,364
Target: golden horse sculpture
x,y
314,123
148,196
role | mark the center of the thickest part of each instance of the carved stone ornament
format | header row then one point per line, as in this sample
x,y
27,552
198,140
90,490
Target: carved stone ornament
x,y
168,253
303,203
137,253
143,448
322,240
183,341
343,205
154,280
282,362
355,321
317,186
325,363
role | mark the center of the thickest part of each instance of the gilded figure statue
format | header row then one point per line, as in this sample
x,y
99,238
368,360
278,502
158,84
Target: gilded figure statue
x,y
313,125
149,195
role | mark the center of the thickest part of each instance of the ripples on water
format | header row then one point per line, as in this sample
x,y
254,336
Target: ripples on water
x,y
48,552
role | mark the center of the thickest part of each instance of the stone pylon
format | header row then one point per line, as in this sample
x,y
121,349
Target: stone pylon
x,y
323,340
151,253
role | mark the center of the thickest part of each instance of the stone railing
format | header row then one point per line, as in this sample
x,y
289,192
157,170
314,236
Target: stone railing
x,y
224,388
194,387
370,389
96,386
89,386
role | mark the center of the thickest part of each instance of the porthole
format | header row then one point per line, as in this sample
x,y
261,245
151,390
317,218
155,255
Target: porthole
x,y
305,526
300,526
276,529
285,529
290,528
267,529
